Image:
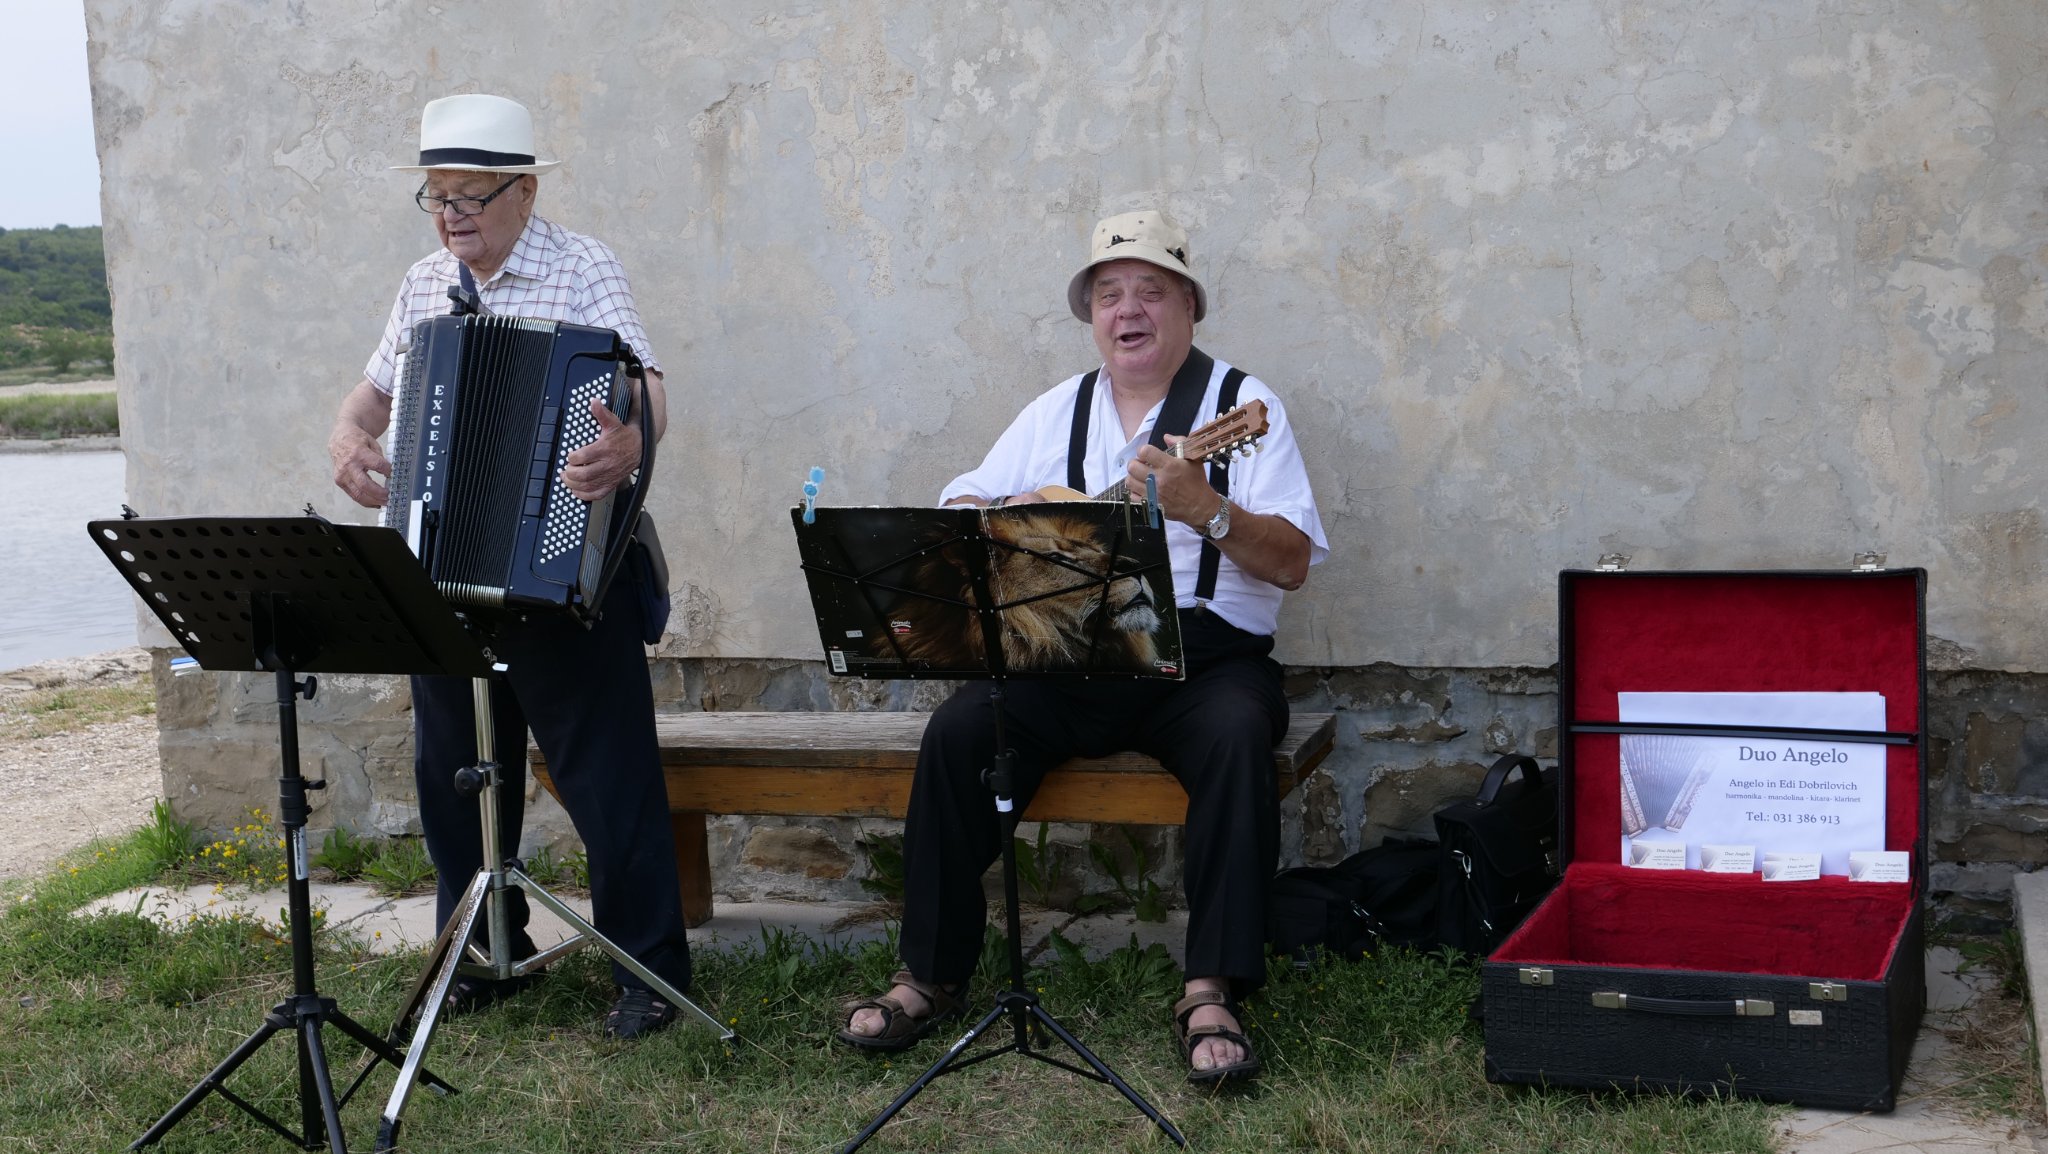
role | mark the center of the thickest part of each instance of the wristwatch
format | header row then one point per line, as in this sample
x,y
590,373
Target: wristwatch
x,y
1218,525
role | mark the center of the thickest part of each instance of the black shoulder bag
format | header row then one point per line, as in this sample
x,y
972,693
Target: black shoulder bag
x,y
1499,855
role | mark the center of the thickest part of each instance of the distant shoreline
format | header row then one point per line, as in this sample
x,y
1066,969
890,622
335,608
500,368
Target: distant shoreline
x,y
59,444
27,445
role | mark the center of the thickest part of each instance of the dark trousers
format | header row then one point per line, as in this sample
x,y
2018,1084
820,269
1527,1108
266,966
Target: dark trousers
x,y
1215,731
587,698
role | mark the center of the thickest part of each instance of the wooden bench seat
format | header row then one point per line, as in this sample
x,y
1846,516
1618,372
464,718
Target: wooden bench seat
x,y
860,765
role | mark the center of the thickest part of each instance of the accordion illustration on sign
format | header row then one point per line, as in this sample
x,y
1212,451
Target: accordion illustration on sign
x,y
487,411
1661,777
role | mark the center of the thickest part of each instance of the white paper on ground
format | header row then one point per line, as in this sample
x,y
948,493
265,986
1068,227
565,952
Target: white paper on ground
x,y
1821,797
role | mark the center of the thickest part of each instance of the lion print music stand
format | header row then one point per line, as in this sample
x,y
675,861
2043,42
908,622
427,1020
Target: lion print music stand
x,y
1062,589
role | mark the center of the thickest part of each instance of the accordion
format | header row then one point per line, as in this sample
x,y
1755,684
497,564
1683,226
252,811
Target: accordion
x,y
487,411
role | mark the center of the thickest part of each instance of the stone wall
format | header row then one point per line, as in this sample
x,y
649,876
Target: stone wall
x,y
1408,741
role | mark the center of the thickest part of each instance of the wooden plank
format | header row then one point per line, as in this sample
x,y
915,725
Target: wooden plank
x,y
890,740
1077,791
693,865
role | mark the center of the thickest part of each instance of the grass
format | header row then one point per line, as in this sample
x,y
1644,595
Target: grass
x,y
48,712
47,416
106,1021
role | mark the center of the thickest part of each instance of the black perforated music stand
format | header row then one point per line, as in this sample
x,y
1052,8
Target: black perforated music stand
x,y
291,595
878,576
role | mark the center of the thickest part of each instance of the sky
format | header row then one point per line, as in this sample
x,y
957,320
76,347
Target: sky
x,y
51,174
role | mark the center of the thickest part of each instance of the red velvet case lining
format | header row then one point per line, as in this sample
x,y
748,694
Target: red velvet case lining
x,y
1735,632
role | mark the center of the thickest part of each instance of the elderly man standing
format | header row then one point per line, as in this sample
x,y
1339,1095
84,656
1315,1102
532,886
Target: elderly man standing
x,y
585,693
1233,554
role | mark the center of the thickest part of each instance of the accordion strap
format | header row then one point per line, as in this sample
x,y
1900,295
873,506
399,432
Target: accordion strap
x,y
621,540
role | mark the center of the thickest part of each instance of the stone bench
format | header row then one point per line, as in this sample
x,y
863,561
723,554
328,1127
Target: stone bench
x,y
860,765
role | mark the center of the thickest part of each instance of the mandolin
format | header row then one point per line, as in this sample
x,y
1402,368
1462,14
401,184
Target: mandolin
x,y
1237,431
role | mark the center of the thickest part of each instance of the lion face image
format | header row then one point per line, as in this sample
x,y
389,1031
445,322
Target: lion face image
x,y
1047,568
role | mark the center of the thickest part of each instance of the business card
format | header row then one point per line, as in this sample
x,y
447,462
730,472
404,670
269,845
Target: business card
x,y
1880,865
1791,867
1657,855
1728,859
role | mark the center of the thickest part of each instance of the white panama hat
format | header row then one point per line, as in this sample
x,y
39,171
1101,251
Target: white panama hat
x,y
1148,235
476,133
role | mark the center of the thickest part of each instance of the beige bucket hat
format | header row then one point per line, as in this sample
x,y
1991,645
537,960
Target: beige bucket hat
x,y
1148,235
476,133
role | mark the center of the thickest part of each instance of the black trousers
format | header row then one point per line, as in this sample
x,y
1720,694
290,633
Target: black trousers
x,y
586,696
1215,731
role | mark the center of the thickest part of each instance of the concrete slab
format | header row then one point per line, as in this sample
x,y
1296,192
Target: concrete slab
x,y
1926,1121
1101,934
2030,915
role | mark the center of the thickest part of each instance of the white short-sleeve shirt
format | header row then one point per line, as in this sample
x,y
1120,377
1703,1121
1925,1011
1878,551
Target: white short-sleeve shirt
x,y
552,275
1032,453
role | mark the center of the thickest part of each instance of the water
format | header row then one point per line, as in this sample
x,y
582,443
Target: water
x,y
58,595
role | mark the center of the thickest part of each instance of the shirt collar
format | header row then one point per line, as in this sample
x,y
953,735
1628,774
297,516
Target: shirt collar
x,y
533,254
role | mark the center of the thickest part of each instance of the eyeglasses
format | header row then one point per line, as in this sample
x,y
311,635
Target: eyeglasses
x,y
463,205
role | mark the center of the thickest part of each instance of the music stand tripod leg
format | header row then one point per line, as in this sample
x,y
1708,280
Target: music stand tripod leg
x,y
486,898
305,1010
1017,1002
436,989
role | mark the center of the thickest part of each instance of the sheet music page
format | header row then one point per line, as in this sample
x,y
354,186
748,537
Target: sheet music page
x,y
1776,795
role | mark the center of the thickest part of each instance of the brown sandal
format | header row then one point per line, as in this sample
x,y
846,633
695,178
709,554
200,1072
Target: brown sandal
x,y
1189,1038
901,1029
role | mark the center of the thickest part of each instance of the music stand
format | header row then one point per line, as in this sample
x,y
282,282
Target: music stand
x,y
929,593
290,595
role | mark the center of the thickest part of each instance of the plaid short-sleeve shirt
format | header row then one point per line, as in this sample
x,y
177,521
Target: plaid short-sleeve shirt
x,y
552,275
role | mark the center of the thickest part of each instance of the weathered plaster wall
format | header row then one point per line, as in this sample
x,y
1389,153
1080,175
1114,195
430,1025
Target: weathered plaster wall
x,y
1712,284
1704,283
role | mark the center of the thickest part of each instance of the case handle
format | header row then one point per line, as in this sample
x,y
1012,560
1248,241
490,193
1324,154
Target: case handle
x,y
1686,1007
1496,777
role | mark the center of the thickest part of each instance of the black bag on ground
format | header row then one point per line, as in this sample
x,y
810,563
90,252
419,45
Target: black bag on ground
x,y
1386,894
1499,855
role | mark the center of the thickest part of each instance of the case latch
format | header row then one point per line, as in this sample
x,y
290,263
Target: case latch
x,y
1869,561
1612,562
1827,991
1537,976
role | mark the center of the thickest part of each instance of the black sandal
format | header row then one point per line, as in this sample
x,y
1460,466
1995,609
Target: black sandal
x,y
637,1012
901,1029
1236,1072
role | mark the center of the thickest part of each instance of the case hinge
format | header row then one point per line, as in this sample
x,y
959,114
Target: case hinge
x,y
1869,561
1612,562
1537,976
1827,991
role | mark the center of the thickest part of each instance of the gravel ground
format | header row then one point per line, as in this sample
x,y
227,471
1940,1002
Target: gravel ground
x,y
57,793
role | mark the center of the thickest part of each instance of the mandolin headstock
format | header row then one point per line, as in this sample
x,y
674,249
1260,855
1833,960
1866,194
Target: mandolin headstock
x,y
1237,431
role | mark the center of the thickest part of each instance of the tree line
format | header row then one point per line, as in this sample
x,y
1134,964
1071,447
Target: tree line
x,y
54,307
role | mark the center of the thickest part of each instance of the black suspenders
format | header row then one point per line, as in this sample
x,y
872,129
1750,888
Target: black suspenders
x,y
1176,416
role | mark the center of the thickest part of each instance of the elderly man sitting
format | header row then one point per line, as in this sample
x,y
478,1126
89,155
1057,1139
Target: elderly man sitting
x,y
1237,543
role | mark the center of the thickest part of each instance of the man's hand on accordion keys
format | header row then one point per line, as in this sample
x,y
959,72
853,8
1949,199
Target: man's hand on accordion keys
x,y
356,456
600,467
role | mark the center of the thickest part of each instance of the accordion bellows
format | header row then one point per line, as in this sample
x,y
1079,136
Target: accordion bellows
x,y
487,411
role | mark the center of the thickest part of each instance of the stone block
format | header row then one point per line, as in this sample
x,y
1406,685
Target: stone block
x,y
794,850
1991,752
1322,819
1400,802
